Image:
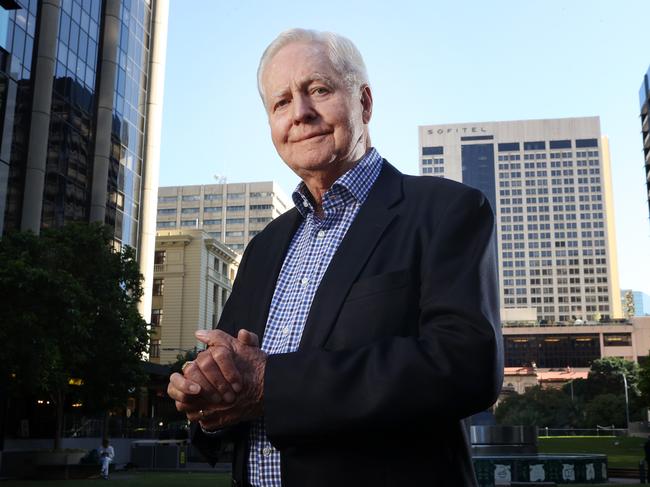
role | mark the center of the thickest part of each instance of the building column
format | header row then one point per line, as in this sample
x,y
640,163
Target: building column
x,y
151,166
39,129
105,104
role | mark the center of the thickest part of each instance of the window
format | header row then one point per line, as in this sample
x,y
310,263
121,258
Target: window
x,y
158,286
159,257
580,143
212,222
260,220
560,144
191,197
261,207
212,209
166,211
235,208
539,145
167,199
156,317
432,151
154,348
617,339
189,210
238,233
508,146
234,221
189,223
261,194
236,196
212,197
165,224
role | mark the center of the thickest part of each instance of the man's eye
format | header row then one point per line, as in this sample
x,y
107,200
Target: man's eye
x,y
280,104
320,91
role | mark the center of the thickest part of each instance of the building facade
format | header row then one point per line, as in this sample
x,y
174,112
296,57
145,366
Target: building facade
x,y
576,346
635,303
193,275
549,184
644,108
80,104
232,213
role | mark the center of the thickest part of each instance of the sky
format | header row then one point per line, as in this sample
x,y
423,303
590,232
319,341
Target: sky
x,y
429,62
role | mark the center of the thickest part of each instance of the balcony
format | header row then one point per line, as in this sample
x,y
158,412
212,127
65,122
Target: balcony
x,y
220,278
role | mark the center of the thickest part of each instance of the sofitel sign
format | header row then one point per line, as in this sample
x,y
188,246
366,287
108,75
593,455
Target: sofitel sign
x,y
458,130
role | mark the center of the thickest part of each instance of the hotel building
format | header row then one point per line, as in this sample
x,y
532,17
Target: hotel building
x,y
549,183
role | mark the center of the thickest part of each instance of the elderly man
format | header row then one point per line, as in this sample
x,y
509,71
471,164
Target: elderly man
x,y
375,299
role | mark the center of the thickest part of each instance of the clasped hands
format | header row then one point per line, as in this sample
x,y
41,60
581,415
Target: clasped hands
x,y
224,385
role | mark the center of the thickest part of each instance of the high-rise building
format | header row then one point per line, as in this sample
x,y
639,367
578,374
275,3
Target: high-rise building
x,y
644,104
635,303
193,276
81,87
549,184
232,213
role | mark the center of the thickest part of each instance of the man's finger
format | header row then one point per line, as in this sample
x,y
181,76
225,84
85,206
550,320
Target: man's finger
x,y
213,337
196,374
248,338
225,359
184,385
211,371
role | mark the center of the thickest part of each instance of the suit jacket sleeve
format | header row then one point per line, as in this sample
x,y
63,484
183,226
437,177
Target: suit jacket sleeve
x,y
451,369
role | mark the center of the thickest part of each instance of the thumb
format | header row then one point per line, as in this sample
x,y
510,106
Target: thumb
x,y
248,338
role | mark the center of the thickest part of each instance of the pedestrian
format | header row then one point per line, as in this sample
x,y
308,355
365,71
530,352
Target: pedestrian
x,y
106,455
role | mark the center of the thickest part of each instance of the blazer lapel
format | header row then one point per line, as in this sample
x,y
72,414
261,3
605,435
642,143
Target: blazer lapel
x,y
373,218
269,268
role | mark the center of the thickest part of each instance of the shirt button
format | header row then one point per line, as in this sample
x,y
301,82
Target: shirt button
x,y
285,330
266,451
305,203
304,281
321,233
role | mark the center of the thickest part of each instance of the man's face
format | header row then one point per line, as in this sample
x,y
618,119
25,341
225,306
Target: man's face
x,y
317,124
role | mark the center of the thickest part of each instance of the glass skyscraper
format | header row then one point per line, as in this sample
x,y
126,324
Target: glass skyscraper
x,y
81,85
644,108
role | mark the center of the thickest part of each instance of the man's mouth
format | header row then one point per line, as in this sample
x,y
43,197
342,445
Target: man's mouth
x,y
309,136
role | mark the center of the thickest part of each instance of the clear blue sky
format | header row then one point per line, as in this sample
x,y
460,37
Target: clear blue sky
x,y
429,62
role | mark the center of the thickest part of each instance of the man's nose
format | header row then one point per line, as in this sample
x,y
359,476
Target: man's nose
x,y
303,109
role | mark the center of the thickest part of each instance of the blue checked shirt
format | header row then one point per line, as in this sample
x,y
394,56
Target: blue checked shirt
x,y
309,254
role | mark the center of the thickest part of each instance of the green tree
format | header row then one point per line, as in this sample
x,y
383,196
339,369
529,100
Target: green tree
x,y
72,313
537,407
605,410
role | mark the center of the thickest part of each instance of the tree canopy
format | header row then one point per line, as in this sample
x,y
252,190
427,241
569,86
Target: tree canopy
x,y
71,314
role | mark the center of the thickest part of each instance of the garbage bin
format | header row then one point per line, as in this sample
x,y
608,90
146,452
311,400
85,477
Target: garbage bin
x,y
159,454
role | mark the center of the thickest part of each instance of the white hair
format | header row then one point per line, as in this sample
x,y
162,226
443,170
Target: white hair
x,y
343,54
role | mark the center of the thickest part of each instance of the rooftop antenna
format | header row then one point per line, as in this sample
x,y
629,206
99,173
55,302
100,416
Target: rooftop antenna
x,y
220,179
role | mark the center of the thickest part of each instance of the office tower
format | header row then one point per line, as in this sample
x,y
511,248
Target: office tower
x,y
644,103
635,303
81,86
233,213
193,276
549,183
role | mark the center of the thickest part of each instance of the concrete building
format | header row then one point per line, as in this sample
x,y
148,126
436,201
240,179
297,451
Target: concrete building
x,y
193,276
551,356
644,108
80,143
232,213
549,182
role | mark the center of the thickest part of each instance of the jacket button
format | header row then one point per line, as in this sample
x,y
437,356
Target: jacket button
x,y
235,483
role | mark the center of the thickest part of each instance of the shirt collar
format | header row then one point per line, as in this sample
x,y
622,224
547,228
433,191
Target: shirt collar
x,y
353,186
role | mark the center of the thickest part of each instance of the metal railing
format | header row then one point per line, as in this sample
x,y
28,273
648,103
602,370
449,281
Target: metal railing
x,y
598,431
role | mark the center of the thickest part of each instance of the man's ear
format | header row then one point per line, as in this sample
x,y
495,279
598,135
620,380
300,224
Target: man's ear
x,y
366,103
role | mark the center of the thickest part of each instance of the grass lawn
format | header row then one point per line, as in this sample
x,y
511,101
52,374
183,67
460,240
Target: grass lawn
x,y
621,451
135,479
